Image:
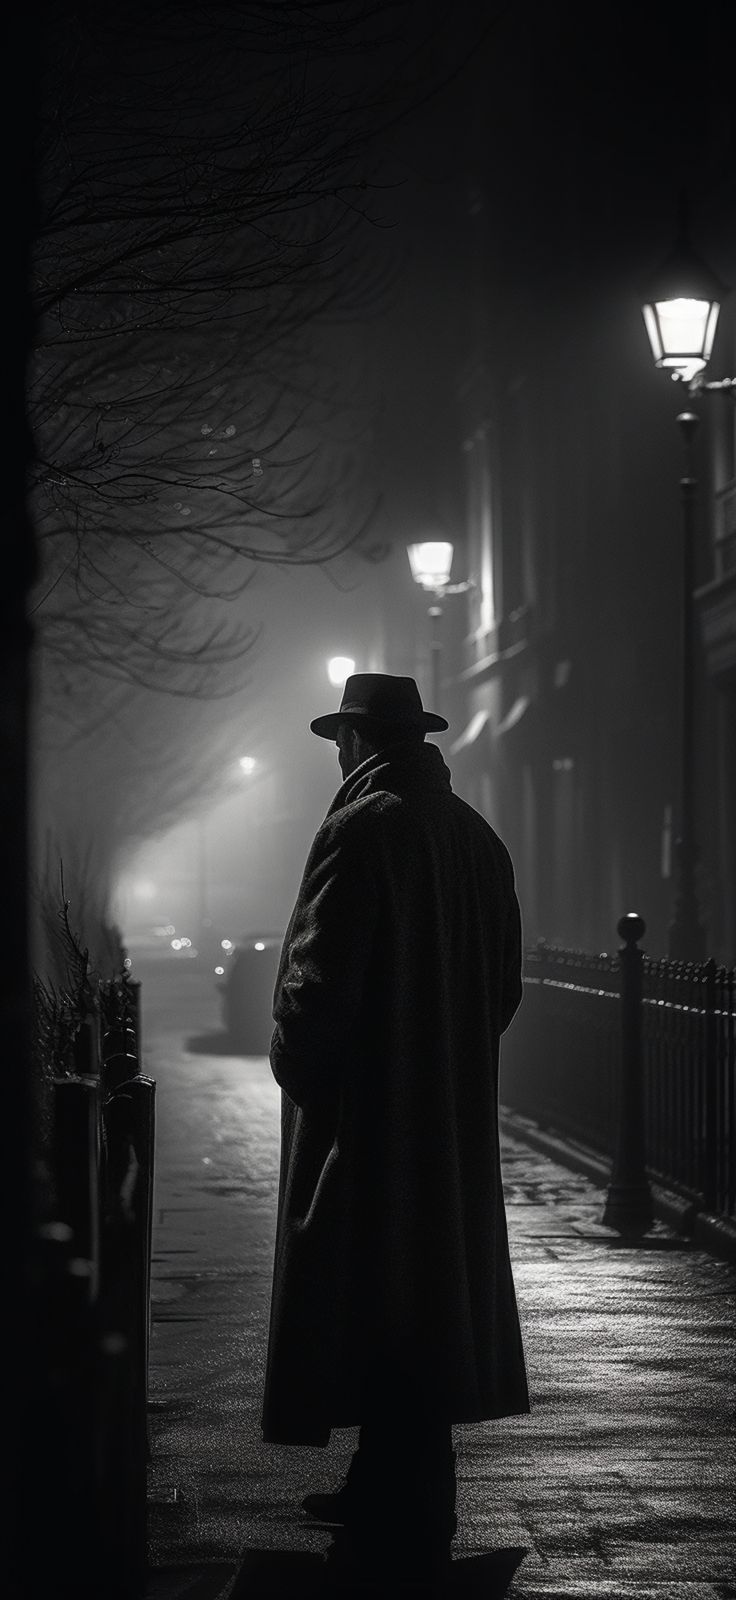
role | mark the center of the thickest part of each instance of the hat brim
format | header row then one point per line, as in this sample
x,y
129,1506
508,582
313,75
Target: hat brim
x,y
429,722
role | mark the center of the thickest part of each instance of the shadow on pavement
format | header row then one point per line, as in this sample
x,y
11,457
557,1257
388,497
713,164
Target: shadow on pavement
x,y
268,1574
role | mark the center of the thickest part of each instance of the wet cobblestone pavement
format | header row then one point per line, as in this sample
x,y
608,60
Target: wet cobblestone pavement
x,y
620,1482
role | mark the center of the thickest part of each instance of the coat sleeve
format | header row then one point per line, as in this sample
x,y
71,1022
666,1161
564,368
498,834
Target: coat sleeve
x,y
513,988
323,968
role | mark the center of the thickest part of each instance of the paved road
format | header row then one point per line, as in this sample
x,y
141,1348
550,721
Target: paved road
x,y
620,1483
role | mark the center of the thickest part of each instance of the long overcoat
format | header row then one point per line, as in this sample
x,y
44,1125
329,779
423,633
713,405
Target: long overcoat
x,y
400,970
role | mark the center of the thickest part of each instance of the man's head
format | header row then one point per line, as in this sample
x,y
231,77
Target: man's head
x,y
358,741
376,710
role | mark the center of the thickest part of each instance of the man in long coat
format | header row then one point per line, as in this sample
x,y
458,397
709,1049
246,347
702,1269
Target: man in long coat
x,y
393,1303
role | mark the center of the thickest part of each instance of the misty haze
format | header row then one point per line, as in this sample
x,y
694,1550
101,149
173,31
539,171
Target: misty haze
x,y
372,1082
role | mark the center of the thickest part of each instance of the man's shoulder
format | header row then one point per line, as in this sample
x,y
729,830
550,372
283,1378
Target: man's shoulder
x,y
472,818
358,818
480,829
382,816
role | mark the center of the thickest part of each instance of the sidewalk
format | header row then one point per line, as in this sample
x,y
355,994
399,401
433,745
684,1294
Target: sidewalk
x,y
716,1234
621,1481
619,1484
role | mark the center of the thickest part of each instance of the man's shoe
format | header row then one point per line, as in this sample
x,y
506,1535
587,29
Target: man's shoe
x,y
339,1510
364,1500
336,1507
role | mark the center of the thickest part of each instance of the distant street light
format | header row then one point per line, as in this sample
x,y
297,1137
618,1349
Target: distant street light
x,y
680,315
339,669
143,890
431,565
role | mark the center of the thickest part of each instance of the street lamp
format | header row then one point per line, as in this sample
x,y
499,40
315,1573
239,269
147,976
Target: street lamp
x,y
680,315
339,669
431,565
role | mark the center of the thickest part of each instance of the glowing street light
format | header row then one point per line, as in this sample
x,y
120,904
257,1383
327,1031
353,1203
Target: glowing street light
x,y
431,564
681,332
681,314
339,669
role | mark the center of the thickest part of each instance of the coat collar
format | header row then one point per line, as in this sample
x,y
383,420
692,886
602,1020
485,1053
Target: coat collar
x,y
395,769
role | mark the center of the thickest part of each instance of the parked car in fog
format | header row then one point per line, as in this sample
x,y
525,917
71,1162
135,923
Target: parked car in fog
x,y
247,991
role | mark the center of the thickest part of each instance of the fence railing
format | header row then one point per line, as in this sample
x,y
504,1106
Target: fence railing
x,y
103,1160
561,1063
689,1036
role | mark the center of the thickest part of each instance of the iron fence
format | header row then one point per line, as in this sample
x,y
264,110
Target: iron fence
x,y
103,1159
561,1063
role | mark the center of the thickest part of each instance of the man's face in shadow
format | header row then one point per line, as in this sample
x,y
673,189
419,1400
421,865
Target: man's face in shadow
x,y
349,749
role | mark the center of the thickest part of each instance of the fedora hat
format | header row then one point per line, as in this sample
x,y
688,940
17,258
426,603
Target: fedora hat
x,y
383,698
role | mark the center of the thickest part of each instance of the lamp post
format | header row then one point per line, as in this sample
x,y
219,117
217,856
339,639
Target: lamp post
x,y
687,936
203,923
681,315
245,767
431,564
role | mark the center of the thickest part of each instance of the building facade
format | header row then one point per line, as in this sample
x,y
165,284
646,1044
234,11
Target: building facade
x,y
564,668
